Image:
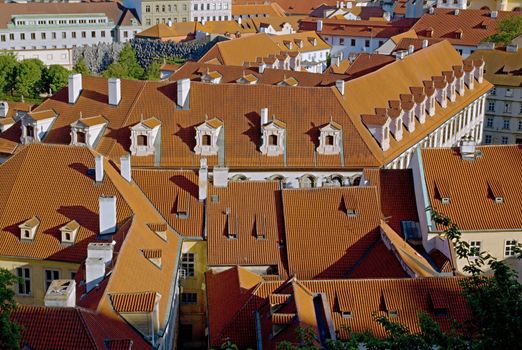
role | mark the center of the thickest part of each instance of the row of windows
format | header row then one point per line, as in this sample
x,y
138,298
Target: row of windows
x,y
25,279
353,42
509,248
54,35
508,92
507,107
506,123
210,6
61,21
504,140
165,8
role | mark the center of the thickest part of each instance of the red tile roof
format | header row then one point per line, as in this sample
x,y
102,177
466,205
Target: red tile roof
x,y
359,28
133,302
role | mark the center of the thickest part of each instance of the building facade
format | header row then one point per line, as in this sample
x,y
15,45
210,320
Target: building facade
x,y
503,112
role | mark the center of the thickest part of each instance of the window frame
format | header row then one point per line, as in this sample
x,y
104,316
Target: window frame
x,y
188,265
22,272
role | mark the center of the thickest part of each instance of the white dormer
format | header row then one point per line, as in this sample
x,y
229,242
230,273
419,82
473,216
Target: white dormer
x,y
430,105
69,232
248,79
441,92
469,73
6,123
420,110
479,70
35,125
28,229
213,77
273,138
459,82
408,119
4,109
379,127
144,136
87,131
207,135
396,123
330,139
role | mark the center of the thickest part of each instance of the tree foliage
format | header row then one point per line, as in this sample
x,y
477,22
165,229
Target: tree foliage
x,y
9,330
56,77
29,76
126,67
508,29
81,67
8,67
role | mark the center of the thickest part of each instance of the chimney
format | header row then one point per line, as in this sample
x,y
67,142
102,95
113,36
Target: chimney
x,y
98,160
431,11
114,91
494,14
94,272
411,49
61,293
75,87
125,167
107,215
203,179
102,250
339,84
4,108
264,116
169,23
319,26
262,67
456,12
424,43
183,93
220,176
399,55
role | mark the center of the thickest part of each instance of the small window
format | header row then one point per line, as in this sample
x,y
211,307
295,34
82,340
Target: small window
x,y
50,276
509,248
80,137
491,106
474,248
493,91
509,92
329,140
347,314
489,123
272,140
189,298
506,124
142,140
367,43
393,313
29,130
505,140
487,139
188,263
73,275
206,140
24,283
353,42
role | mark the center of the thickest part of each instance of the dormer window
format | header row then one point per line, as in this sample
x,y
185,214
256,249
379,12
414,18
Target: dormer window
x,y
346,314
144,136
153,255
379,127
35,125
159,229
87,131
260,226
431,105
248,79
330,139
211,77
443,190
273,138
29,131
349,203
69,232
496,191
393,313
232,224
28,229
207,135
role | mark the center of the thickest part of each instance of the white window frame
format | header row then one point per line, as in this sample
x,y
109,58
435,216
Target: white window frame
x,y
22,285
474,245
187,264
508,248
47,282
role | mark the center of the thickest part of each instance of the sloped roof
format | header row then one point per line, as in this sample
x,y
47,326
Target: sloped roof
x,y
472,206
305,37
270,10
159,31
502,67
360,28
31,178
476,25
261,211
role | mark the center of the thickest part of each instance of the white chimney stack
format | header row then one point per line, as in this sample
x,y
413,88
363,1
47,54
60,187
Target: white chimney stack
x,y
169,23
4,108
125,167
94,272
98,160
107,214
183,93
411,49
203,179
103,250
494,14
75,87
220,176
114,91
319,26
61,293
262,67
339,84
424,43
264,116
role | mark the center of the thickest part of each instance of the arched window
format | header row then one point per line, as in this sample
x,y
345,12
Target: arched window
x,y
206,140
307,181
80,137
29,130
329,140
272,140
336,180
147,8
238,177
142,140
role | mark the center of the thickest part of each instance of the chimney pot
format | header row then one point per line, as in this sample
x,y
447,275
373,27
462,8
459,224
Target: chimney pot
x,y
4,108
75,87
107,215
114,91
94,272
494,14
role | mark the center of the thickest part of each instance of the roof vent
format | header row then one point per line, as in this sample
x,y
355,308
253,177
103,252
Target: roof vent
x,y
432,10
457,11
494,14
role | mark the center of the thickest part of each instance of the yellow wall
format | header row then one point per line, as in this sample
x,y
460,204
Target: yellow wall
x,y
37,276
195,314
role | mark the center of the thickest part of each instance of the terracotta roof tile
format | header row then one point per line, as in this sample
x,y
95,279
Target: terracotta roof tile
x,y
359,28
134,302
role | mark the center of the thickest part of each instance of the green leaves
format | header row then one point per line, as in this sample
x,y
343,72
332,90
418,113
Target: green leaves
x,y
508,29
127,66
9,331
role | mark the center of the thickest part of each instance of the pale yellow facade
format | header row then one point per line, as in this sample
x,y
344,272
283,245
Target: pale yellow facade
x,y
500,5
37,276
193,316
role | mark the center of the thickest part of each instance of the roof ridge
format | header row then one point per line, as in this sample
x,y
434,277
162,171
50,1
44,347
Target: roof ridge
x,y
86,327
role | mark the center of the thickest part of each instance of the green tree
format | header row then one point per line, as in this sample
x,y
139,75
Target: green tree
x,y
8,67
81,67
56,77
29,76
153,71
126,67
9,330
508,29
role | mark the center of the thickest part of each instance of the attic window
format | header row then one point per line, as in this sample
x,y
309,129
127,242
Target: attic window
x,y
29,129
69,232
260,227
142,140
206,140
232,225
329,140
28,228
160,230
153,255
350,205
496,191
80,137
272,140
443,189
439,302
393,313
182,207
